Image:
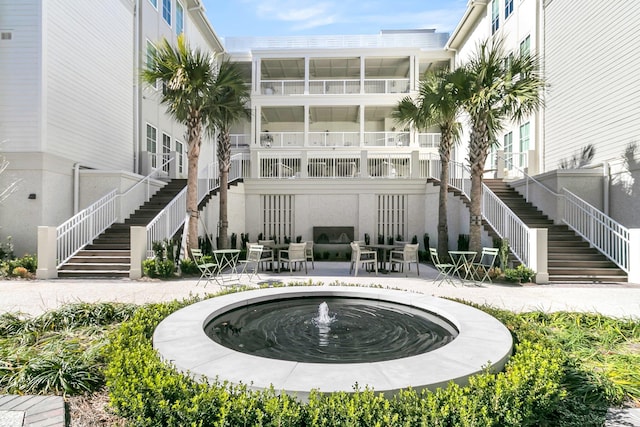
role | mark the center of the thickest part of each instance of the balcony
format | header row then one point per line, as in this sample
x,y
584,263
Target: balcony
x,y
347,139
335,86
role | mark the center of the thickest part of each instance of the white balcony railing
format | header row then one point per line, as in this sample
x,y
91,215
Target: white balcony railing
x,y
334,139
334,86
429,140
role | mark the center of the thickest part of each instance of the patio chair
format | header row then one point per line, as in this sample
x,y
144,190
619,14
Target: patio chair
x,y
405,257
267,252
208,270
295,254
445,270
254,255
309,252
364,257
484,264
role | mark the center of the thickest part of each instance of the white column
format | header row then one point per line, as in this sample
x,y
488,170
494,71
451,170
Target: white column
x,y
47,265
138,251
634,255
538,256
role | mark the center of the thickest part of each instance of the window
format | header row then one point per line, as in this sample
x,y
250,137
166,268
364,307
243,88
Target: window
x,y
495,16
154,3
508,150
151,51
508,8
179,18
166,150
152,144
525,46
166,11
524,144
180,156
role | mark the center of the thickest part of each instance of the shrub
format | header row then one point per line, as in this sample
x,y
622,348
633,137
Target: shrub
x,y
20,272
188,267
149,391
519,274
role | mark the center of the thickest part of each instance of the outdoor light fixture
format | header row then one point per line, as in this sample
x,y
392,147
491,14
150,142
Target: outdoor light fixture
x,y
32,196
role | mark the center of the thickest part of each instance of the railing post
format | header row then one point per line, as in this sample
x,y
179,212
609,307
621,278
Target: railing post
x,y
415,164
138,251
634,255
364,164
538,255
500,167
47,253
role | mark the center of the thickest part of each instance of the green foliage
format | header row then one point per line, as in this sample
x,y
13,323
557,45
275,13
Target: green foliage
x,y
463,242
6,249
188,267
519,274
24,267
57,352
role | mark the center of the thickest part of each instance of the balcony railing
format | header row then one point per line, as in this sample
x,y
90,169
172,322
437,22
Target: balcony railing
x,y
339,139
334,86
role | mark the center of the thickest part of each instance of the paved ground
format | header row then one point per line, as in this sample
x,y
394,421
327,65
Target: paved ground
x,y
611,299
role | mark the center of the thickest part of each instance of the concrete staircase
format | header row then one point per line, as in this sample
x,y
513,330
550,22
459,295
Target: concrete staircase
x,y
570,258
109,255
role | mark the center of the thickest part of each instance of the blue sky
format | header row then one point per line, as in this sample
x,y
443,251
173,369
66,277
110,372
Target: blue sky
x,y
231,18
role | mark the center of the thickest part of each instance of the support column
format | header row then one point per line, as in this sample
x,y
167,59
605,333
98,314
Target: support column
x,y
138,251
415,164
47,262
538,255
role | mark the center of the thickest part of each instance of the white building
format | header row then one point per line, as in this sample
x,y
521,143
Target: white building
x,y
74,119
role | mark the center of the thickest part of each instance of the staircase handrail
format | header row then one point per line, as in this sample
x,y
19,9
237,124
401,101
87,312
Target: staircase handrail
x,y
171,218
82,228
597,228
459,174
507,224
602,232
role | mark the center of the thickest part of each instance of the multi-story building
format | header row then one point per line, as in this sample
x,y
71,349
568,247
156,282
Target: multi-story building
x,y
75,120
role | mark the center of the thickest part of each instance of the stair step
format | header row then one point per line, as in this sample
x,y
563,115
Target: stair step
x,y
580,263
101,259
77,274
85,266
583,278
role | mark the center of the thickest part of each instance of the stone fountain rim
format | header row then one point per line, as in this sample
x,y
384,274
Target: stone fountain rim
x,y
482,339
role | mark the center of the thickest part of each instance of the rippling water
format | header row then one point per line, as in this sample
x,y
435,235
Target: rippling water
x,y
362,330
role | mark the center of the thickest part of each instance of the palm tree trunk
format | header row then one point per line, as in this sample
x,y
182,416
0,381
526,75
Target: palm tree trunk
x,y
443,226
194,128
478,151
224,162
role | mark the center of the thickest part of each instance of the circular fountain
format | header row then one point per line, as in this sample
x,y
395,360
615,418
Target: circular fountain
x,y
330,338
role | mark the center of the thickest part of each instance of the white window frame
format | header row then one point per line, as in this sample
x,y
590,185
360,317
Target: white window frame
x,y
179,156
508,149
508,8
154,3
495,16
179,18
152,144
166,11
524,141
166,151
526,42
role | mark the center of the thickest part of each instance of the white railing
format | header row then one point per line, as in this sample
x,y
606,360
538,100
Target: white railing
x,y
389,166
506,224
170,219
281,139
317,87
459,175
386,86
331,167
240,140
386,139
86,225
602,232
429,140
282,87
334,86
334,139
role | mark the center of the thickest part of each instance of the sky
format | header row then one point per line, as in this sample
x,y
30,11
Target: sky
x,y
237,18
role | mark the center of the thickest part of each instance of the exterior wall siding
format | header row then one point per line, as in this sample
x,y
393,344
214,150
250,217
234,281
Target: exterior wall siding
x,y
88,77
20,85
589,62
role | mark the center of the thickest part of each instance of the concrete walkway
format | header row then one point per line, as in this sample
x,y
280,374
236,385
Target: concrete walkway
x,y
612,299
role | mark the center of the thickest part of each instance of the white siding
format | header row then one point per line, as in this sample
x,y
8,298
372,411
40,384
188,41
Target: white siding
x,y
592,64
20,70
88,68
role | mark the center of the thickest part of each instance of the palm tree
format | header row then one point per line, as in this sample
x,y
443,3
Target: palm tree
x,y
187,76
438,104
227,105
500,88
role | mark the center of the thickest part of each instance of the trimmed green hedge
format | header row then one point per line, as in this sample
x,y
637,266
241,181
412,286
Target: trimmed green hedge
x,y
150,393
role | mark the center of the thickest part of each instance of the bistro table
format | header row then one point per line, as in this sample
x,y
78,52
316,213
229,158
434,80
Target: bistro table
x,y
384,248
463,264
276,248
226,259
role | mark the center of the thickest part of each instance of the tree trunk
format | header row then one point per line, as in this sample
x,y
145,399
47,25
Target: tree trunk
x,y
194,129
443,226
478,151
224,162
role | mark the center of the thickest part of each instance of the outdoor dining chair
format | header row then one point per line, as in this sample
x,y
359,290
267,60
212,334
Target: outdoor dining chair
x,y
295,254
483,266
251,264
309,252
267,252
405,257
364,257
208,270
445,270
